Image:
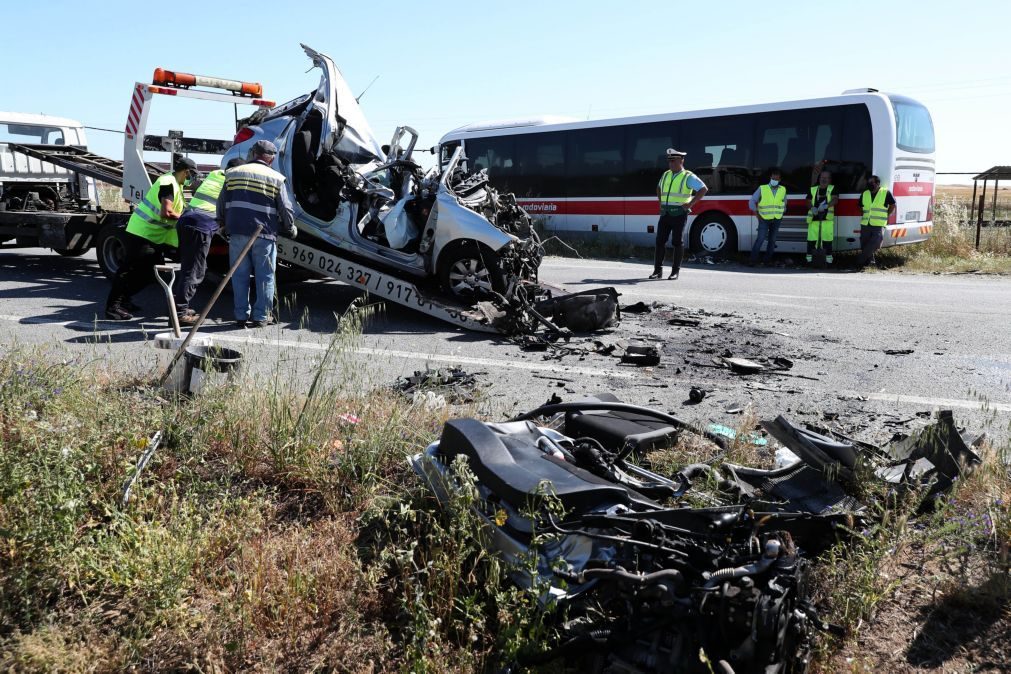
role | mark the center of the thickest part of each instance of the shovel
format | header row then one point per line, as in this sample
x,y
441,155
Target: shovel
x,y
173,316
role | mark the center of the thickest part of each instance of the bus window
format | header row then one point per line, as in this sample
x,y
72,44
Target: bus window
x,y
494,154
540,165
594,162
800,142
914,130
646,156
850,173
720,152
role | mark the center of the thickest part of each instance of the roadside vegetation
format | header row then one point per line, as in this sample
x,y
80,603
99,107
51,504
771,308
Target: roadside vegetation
x,y
278,527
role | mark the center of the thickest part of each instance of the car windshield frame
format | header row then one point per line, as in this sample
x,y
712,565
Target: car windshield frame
x,y
912,124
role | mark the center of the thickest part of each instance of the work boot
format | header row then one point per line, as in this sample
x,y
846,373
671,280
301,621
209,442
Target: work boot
x,y
674,275
189,319
116,312
269,320
809,258
656,274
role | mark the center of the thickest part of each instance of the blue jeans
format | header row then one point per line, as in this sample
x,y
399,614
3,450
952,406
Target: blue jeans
x,y
766,228
260,262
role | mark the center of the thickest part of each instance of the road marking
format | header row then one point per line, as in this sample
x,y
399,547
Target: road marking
x,y
434,357
943,403
361,350
492,362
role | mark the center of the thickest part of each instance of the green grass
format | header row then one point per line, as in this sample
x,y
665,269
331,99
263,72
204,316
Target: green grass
x,y
270,533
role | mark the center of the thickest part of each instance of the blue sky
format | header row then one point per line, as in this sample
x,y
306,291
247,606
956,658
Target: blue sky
x,y
444,64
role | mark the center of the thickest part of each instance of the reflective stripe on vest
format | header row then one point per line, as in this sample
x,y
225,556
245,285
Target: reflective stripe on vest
x,y
771,205
253,187
674,189
830,215
206,196
146,220
875,211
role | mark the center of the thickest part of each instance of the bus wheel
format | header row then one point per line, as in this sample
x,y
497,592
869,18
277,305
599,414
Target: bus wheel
x,y
110,248
713,234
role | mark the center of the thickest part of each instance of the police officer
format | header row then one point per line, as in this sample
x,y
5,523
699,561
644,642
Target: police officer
x,y
821,217
255,194
149,232
878,205
196,229
769,202
678,191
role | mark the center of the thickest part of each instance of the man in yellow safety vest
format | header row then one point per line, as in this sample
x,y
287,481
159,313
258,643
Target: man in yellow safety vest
x,y
678,190
150,231
196,231
821,217
769,202
878,205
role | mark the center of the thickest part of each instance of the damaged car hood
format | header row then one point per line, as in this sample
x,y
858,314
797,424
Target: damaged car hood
x,y
350,133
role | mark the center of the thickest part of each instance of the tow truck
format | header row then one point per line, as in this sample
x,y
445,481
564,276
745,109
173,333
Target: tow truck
x,y
523,307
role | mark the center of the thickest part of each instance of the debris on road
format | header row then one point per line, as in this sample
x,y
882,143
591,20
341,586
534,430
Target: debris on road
x,y
696,394
637,308
898,352
456,385
684,322
642,356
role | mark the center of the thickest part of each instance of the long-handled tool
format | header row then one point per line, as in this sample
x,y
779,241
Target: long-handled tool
x,y
207,309
173,316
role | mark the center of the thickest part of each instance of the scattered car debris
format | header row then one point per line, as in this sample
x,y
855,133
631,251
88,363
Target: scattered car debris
x,y
637,308
456,385
685,322
646,584
743,365
696,394
642,356
586,311
898,352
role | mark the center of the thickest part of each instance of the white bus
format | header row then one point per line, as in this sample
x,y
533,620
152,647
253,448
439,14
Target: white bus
x,y
598,178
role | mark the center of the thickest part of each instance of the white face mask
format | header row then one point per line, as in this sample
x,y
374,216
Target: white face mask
x,y
773,183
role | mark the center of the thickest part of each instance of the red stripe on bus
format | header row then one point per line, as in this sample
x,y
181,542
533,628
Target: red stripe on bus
x,y
733,207
912,189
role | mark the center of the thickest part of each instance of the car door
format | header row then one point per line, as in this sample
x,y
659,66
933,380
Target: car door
x,y
345,128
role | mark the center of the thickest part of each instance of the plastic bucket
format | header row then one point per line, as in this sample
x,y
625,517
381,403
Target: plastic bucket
x,y
165,345
206,364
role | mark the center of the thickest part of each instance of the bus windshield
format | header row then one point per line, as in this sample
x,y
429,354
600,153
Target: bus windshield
x,y
914,131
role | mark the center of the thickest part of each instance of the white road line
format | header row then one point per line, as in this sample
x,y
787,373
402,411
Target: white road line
x,y
362,350
516,365
943,403
434,357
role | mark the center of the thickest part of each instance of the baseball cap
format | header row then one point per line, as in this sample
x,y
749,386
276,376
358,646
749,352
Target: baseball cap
x,y
264,147
671,152
184,163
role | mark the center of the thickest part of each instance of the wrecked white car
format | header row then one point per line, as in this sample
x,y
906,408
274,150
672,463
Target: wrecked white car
x,y
375,203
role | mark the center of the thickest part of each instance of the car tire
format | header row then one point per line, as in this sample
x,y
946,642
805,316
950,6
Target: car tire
x,y
110,248
470,270
713,234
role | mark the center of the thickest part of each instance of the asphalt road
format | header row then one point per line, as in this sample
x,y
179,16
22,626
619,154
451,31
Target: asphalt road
x,y
835,328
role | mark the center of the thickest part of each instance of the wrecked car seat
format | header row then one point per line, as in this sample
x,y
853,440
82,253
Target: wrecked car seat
x,y
612,429
517,470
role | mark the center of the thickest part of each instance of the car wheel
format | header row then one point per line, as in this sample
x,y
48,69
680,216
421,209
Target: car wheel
x,y
471,270
110,248
713,234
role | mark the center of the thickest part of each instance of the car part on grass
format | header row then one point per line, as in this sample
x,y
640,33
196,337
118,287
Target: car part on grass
x,y
455,384
642,587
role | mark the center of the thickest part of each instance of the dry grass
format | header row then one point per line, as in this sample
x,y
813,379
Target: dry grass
x,y
292,539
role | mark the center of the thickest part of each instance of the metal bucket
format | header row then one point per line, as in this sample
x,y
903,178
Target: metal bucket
x,y
165,345
207,364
